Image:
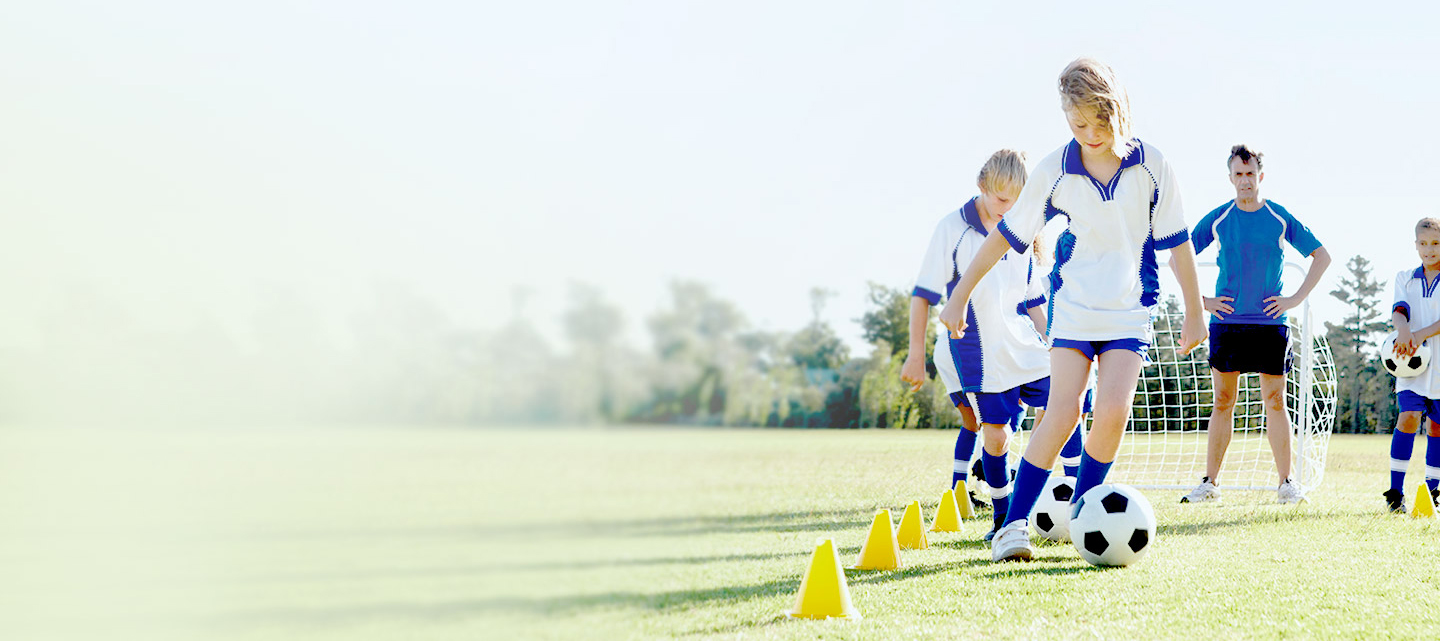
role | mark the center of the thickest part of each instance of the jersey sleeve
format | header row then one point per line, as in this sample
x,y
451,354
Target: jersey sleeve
x,y
1204,233
1298,235
1168,227
938,266
1401,304
1028,215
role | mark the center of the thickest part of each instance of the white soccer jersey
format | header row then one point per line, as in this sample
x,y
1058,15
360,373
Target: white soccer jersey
x,y
1106,276
1001,349
1418,300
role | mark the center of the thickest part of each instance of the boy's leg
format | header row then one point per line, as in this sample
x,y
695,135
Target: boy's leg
x,y
1402,444
1070,453
997,447
1119,370
1432,457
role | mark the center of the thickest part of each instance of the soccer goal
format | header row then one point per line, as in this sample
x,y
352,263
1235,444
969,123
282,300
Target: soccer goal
x,y
1165,441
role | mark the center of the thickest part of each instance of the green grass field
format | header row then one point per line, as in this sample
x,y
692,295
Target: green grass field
x,y
640,533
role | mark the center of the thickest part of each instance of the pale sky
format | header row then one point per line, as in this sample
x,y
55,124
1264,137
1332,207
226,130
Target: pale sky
x,y
187,161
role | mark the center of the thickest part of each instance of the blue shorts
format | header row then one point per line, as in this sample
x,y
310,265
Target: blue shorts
x,y
1005,408
1091,349
958,398
1412,402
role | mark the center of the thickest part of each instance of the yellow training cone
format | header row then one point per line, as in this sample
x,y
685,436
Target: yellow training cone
x,y
912,529
823,592
1424,504
947,516
962,497
881,551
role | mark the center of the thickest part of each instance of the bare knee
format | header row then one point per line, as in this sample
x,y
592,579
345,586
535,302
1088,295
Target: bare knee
x,y
1274,399
1408,422
1225,400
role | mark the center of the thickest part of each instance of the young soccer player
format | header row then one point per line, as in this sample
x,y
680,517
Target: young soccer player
x,y
1002,362
1121,204
1247,325
1416,316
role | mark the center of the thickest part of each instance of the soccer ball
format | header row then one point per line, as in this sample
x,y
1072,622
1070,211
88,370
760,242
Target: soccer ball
x,y
1051,516
1112,524
1406,368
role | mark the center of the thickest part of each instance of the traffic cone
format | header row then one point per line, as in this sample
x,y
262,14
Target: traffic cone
x,y
881,551
947,516
1424,504
962,499
823,593
912,530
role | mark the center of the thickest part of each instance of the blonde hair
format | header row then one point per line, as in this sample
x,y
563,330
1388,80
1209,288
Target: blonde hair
x,y
1003,172
1090,84
1431,224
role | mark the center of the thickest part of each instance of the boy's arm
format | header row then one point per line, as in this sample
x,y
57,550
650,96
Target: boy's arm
x,y
1037,316
1192,332
953,315
913,371
1319,262
1400,319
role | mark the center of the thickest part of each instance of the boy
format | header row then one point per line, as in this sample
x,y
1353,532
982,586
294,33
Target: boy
x,y
1003,363
1416,317
1247,329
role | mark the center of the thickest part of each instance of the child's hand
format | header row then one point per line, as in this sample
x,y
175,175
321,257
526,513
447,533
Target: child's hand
x,y
1192,333
953,316
1219,306
913,371
1404,343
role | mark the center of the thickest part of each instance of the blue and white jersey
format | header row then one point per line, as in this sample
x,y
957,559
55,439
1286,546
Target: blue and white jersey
x,y
1418,301
1001,350
1252,255
1105,277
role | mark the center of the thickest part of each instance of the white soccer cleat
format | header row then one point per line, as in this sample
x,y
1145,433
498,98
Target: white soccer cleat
x,y
1206,491
1012,543
1290,493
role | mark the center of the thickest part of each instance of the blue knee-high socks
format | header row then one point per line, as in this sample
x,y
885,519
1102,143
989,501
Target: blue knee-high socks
x,y
964,450
1092,473
1029,481
1401,446
1432,462
1070,454
999,494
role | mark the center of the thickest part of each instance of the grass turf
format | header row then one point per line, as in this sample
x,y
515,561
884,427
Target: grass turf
x,y
638,533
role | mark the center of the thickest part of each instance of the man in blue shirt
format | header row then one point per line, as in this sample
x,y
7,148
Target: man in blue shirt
x,y
1247,327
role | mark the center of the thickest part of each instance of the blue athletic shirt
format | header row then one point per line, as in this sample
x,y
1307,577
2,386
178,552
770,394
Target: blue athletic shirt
x,y
1252,256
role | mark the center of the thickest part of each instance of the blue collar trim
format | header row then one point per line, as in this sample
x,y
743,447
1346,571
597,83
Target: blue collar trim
x,y
971,215
1426,287
1071,164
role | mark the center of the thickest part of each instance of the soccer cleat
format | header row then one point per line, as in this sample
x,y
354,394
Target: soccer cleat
x,y
1012,543
1289,492
978,504
1206,491
1395,500
990,536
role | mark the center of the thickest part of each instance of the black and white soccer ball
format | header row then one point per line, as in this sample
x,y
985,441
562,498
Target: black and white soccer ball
x,y
1051,516
1112,524
1404,367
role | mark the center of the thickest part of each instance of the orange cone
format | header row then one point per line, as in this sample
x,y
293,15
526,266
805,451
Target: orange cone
x,y
881,551
823,592
912,530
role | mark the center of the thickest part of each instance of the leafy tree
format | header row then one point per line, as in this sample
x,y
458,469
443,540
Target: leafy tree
x,y
817,346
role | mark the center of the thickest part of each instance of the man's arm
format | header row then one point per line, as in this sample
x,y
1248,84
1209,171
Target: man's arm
x,y
1319,262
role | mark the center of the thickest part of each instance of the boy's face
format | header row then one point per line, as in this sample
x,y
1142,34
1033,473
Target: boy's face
x,y
999,203
1427,243
1094,136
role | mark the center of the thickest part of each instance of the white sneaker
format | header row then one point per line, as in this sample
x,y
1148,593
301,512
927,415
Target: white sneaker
x,y
1012,543
1206,491
1290,493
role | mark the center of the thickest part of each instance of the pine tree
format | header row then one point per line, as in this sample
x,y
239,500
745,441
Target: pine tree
x,y
1353,344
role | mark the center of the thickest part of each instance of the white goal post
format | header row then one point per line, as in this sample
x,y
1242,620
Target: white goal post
x,y
1165,441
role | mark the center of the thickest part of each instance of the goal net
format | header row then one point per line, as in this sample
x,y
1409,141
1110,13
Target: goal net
x,y
1165,441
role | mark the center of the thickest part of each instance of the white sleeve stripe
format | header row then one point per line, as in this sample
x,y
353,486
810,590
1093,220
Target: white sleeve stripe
x,y
1284,226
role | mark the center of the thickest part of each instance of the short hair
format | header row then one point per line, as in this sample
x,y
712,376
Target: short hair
x,y
1089,83
1245,154
1431,224
1003,171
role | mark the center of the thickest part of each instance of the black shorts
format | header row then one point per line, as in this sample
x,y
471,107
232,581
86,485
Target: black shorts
x,y
1243,348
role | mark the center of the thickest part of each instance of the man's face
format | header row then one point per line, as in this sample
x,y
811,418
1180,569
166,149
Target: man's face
x,y
1246,177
